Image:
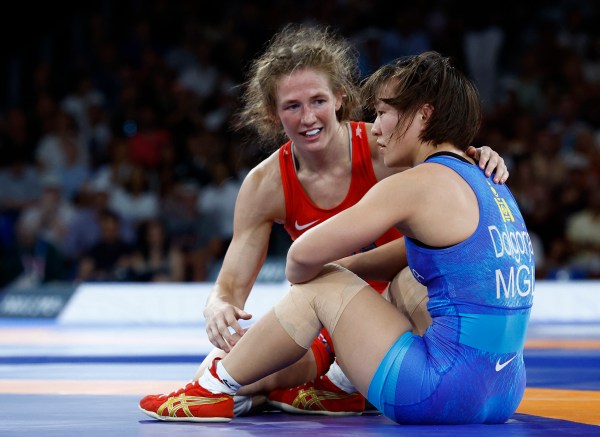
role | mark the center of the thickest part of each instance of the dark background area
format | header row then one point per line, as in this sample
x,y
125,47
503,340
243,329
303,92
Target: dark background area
x,y
164,76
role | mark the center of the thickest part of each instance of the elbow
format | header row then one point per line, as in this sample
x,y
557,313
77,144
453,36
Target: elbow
x,y
297,275
291,266
291,276
297,267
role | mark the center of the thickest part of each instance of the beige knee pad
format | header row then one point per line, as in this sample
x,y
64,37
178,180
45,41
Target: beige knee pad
x,y
308,307
410,297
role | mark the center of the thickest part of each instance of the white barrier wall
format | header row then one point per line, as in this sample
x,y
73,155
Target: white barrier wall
x,y
566,301
134,303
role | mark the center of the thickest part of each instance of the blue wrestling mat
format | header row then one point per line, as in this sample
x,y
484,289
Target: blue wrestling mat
x,y
58,380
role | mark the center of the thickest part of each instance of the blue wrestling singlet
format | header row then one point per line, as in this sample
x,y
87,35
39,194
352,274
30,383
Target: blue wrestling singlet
x,y
468,366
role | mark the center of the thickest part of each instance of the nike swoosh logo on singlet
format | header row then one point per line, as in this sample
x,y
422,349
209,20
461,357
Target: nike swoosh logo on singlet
x,y
499,366
302,227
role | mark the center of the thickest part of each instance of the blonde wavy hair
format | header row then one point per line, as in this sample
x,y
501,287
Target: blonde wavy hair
x,y
292,48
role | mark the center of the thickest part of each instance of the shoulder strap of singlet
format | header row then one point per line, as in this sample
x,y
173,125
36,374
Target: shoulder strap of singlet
x,y
447,153
286,167
362,161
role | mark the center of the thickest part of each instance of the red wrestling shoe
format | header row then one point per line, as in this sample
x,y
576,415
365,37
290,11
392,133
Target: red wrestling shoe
x,y
320,396
193,403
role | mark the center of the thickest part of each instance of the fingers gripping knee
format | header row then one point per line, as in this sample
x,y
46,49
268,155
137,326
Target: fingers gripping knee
x,y
308,307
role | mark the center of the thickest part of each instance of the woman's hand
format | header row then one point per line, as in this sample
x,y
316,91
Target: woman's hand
x,y
491,161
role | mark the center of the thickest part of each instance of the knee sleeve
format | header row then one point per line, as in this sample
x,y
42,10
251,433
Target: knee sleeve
x,y
308,307
410,297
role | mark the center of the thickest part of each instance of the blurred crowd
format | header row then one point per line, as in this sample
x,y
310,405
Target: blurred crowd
x,y
118,161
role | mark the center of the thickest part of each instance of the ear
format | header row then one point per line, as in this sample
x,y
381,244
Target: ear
x,y
339,99
425,112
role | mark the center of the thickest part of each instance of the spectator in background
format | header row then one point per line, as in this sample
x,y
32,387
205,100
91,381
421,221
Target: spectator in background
x,y
134,201
195,165
193,231
591,62
99,135
31,260
124,116
16,138
523,88
20,187
225,100
43,117
569,125
52,215
483,40
155,257
20,184
75,172
62,152
573,32
110,259
202,76
217,199
78,102
117,171
184,119
105,73
61,129
543,150
368,44
406,35
146,142
85,230
583,233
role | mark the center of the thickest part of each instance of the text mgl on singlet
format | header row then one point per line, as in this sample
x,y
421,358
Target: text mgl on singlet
x,y
516,280
519,282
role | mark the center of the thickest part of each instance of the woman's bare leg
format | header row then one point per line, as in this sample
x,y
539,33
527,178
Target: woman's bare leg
x,y
409,296
365,330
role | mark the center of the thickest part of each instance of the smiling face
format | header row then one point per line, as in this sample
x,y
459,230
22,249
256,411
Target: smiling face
x,y
306,107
